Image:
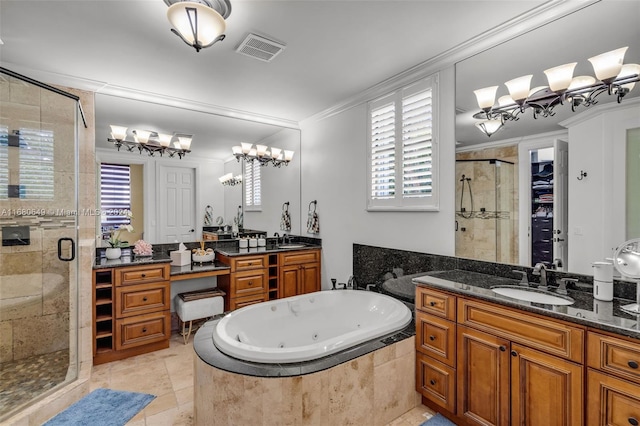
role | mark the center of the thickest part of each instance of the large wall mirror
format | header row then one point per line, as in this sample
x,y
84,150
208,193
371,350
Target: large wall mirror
x,y
496,204
156,180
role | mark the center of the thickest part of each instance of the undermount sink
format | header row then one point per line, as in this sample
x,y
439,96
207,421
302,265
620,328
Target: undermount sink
x,y
529,294
291,246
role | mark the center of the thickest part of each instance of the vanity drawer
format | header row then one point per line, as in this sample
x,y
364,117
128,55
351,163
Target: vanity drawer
x,y
552,336
142,299
298,257
436,382
142,274
249,282
241,302
248,262
614,356
143,329
436,303
436,337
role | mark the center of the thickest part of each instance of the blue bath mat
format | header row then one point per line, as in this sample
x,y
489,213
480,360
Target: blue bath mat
x,y
103,407
438,420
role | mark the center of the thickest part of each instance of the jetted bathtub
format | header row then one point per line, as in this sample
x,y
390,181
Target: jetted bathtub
x,y
310,326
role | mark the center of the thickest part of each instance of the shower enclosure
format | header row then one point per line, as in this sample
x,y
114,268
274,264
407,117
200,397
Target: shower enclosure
x,y
486,216
38,220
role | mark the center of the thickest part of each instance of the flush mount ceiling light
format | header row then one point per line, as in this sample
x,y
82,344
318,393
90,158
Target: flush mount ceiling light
x,y
151,142
611,76
199,23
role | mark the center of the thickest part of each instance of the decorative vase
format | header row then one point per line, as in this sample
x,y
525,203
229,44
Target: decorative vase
x,y
113,253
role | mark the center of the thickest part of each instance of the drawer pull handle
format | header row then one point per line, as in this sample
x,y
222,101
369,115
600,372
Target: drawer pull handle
x,y
514,353
250,282
433,382
144,275
632,364
503,348
144,330
144,299
633,421
432,303
432,338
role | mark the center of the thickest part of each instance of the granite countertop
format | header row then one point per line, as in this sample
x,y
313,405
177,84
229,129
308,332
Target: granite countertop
x,y
236,251
102,262
586,310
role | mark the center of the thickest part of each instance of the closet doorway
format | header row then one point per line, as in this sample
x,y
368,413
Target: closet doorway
x,y
543,176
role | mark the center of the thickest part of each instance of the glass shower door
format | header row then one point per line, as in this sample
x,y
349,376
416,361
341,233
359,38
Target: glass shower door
x,y
38,220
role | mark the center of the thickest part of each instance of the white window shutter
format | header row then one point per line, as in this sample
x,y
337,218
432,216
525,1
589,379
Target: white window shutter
x,y
402,150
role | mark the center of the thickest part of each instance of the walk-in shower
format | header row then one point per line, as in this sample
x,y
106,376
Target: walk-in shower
x,y
486,219
38,220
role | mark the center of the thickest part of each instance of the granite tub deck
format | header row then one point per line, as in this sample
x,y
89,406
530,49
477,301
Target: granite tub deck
x,y
585,310
372,383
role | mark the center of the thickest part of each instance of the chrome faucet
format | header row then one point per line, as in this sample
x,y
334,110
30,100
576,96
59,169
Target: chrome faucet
x,y
541,269
524,280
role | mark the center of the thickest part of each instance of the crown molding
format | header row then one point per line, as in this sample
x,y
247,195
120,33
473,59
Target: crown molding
x,y
514,141
528,21
151,97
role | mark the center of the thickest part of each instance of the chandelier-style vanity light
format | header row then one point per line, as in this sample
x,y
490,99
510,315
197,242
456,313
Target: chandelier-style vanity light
x,y
612,76
151,142
199,23
261,153
230,180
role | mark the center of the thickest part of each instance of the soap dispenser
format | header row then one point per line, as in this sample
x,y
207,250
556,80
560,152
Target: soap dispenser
x,y
603,281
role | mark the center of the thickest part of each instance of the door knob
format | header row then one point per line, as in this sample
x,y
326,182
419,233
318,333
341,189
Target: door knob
x,y
514,353
503,348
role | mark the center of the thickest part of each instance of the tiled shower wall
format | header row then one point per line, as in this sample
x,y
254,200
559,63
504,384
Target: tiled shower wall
x,y
49,311
490,236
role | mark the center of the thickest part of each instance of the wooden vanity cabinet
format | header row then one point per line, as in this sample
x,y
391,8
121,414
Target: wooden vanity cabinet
x,y
613,380
299,272
131,311
247,282
511,367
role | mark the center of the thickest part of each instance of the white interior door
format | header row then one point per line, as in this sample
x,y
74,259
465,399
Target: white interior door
x,y
176,204
560,202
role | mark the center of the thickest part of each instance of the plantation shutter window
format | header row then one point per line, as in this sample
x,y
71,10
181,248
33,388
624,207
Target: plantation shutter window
x,y
402,149
252,189
115,195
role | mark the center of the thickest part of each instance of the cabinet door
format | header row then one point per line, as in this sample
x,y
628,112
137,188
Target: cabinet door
x,y
289,278
436,382
545,390
612,401
310,275
483,377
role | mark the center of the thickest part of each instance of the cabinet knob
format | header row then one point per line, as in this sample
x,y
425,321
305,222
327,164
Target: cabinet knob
x,y
514,353
432,337
144,299
250,282
433,382
632,364
503,348
144,275
633,421
144,330
432,303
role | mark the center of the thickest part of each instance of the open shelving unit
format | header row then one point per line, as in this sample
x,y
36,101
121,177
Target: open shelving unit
x,y
273,277
103,300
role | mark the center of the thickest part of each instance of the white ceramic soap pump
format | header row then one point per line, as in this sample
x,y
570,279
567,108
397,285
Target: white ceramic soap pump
x,y
603,281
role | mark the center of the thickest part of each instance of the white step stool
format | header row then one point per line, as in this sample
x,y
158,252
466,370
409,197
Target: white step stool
x,y
198,304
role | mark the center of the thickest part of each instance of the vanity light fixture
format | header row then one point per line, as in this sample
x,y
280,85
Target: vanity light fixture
x,y
199,23
230,180
151,142
612,76
261,153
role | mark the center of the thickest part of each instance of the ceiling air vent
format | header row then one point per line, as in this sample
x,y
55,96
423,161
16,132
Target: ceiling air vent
x,y
260,48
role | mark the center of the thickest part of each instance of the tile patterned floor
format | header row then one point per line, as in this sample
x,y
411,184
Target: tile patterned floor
x,y
25,379
168,373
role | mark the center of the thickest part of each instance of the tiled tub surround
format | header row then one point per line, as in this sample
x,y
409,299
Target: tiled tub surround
x,y
371,383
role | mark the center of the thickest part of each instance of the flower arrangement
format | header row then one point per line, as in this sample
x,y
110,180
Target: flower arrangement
x,y
114,236
143,248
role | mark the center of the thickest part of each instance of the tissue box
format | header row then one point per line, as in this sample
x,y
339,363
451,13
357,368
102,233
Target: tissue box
x,y
180,258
